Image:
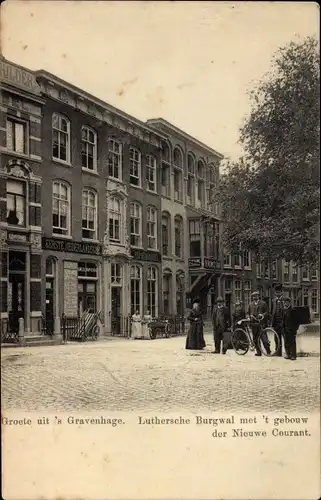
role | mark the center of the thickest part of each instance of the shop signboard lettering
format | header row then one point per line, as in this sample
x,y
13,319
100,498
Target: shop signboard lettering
x,y
18,237
18,77
194,262
58,245
146,255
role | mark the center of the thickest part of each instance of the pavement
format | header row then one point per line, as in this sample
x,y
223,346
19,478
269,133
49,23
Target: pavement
x,y
133,375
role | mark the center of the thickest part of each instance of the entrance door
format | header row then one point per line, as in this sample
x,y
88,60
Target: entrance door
x,y
16,292
49,307
116,310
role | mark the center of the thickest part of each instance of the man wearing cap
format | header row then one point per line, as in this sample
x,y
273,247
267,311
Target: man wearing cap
x,y
257,312
277,315
221,323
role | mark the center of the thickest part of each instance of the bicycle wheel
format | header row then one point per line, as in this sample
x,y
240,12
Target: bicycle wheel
x,y
240,341
269,341
95,332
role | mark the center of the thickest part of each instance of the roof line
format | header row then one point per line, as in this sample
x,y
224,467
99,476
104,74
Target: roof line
x,y
184,134
50,76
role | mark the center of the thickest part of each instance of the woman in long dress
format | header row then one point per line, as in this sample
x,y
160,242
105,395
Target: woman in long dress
x,y
136,326
195,337
147,319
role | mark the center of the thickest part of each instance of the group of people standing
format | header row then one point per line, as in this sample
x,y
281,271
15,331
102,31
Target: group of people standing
x,y
280,318
139,326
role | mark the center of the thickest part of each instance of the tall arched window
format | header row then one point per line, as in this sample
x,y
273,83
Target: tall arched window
x,y
152,291
180,292
60,138
151,173
136,224
89,214
152,228
61,206
178,175
166,155
88,148
115,219
190,190
166,234
166,171
136,289
201,183
115,159
135,166
178,223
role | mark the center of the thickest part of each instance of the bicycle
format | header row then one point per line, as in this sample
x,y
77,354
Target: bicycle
x,y
242,338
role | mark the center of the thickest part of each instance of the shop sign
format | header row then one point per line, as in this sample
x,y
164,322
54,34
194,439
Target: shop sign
x,y
194,262
18,77
209,263
146,255
58,245
18,238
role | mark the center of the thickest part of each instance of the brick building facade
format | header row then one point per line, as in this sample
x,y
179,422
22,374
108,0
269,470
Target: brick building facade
x,y
101,211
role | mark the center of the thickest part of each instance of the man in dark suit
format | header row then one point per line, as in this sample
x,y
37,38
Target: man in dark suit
x,y
277,315
221,323
257,312
290,327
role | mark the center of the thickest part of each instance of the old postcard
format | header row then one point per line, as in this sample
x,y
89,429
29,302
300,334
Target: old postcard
x,y
159,239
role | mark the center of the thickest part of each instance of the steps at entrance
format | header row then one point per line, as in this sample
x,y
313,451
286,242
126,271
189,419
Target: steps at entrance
x,y
35,340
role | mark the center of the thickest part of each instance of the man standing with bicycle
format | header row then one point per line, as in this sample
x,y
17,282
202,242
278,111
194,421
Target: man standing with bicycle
x,y
257,313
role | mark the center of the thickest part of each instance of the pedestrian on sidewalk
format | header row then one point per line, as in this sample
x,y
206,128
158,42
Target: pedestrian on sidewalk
x,y
289,330
221,325
277,316
195,336
136,332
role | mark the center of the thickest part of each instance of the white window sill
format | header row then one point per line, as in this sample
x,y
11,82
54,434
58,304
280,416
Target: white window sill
x,y
247,268
15,153
138,247
62,236
152,249
61,162
88,240
89,171
151,191
137,186
20,229
114,179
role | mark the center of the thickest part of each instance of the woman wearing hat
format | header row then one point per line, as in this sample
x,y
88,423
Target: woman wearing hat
x,y
195,337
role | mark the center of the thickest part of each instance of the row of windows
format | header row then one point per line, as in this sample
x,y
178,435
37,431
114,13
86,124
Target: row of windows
x,y
61,151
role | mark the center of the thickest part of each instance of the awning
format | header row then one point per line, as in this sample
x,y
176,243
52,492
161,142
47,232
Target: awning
x,y
200,283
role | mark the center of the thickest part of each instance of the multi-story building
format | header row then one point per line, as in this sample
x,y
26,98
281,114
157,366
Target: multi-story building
x,y
80,226
190,221
101,211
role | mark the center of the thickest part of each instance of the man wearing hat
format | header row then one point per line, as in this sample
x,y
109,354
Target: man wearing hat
x,y
277,315
257,312
221,323
289,330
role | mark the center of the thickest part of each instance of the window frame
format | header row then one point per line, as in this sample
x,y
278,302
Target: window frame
x,y
59,131
111,156
86,142
94,231
149,224
23,197
178,220
151,167
111,211
135,163
133,205
140,288
68,203
154,292
17,121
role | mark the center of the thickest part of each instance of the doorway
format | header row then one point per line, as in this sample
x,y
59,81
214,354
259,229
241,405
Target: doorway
x,y
116,310
16,289
49,306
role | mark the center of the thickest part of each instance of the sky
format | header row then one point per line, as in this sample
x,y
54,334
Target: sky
x,y
191,63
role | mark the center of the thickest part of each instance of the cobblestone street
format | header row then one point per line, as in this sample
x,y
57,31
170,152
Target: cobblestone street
x,y
128,375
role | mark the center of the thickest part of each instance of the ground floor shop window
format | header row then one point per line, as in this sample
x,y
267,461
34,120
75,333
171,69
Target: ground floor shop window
x,y
50,294
247,294
305,297
135,289
152,291
87,287
167,279
238,291
315,301
180,294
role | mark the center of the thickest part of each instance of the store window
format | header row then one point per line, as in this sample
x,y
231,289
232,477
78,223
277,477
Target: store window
x,y
136,289
87,287
247,294
167,285
238,291
315,301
